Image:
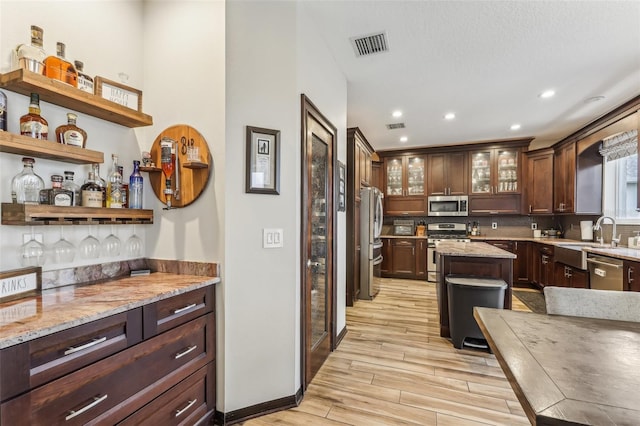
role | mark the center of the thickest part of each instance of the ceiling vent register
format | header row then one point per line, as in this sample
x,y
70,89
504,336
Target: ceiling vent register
x,y
370,44
395,126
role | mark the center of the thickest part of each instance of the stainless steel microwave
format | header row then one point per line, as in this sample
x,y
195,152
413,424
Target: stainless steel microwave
x,y
448,205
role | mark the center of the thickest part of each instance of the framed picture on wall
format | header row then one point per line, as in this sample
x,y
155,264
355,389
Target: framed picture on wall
x,y
342,179
263,161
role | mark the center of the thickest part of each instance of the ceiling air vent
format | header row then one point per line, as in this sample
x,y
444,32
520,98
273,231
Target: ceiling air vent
x,y
395,126
370,44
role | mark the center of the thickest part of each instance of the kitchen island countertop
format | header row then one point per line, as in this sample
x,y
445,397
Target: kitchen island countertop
x,y
69,306
472,249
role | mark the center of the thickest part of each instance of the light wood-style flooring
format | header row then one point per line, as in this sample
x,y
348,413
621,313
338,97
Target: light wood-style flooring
x,y
393,368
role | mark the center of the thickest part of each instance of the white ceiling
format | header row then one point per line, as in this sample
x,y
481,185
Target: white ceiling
x,y
486,61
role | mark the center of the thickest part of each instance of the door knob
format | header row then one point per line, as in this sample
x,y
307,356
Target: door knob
x,y
310,264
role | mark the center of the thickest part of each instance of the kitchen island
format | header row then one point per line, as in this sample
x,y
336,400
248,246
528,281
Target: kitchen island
x,y
475,259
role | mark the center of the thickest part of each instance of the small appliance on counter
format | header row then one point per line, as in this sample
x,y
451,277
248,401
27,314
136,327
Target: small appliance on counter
x,y
404,227
551,233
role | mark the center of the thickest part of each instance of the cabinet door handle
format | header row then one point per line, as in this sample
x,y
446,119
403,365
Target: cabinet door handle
x,y
630,275
177,311
182,410
186,351
530,208
96,401
74,349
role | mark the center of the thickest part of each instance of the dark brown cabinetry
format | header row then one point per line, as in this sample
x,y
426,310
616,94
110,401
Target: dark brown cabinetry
x,y
405,183
522,263
421,259
542,263
376,175
564,178
539,183
495,184
404,258
447,173
107,370
568,276
386,268
631,275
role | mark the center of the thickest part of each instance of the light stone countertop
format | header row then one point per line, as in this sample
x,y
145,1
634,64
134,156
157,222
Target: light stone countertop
x,y
623,253
472,249
69,306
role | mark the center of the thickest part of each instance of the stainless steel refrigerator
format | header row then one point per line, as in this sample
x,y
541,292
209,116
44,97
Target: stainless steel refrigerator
x,y
370,242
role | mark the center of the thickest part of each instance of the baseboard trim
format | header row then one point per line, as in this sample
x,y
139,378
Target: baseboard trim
x,y
341,336
243,414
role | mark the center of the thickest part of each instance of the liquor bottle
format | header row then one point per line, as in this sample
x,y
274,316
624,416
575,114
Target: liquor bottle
x,y
100,182
85,82
33,124
31,57
125,188
167,161
70,134
70,185
56,195
114,185
91,191
26,185
135,187
3,112
57,67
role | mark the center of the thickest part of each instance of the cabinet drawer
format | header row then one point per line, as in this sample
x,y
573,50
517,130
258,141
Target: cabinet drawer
x,y
34,363
187,403
168,313
107,391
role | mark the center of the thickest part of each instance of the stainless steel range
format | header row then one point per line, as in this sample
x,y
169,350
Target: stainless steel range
x,y
438,232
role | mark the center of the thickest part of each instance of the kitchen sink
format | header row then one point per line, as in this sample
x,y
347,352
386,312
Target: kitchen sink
x,y
571,253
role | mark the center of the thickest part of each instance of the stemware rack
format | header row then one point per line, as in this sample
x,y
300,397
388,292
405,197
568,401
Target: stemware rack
x,y
38,214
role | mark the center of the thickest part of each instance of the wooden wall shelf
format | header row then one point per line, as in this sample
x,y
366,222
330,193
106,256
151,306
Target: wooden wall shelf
x,y
24,145
37,214
59,93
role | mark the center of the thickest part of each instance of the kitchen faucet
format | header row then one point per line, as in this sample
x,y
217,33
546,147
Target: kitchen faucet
x,y
614,240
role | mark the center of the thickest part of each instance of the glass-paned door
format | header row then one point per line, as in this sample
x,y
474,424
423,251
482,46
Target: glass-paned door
x,y
481,172
507,171
415,176
394,175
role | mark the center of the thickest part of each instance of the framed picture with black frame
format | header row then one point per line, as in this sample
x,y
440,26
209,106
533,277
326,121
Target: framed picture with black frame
x,y
263,161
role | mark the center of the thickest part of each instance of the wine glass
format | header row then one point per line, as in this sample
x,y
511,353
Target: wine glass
x,y
63,251
133,246
90,247
32,252
111,245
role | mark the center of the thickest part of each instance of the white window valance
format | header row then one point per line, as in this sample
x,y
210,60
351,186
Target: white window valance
x,y
620,145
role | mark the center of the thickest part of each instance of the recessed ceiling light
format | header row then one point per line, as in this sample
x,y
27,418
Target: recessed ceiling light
x,y
594,99
404,139
515,127
449,116
547,94
397,114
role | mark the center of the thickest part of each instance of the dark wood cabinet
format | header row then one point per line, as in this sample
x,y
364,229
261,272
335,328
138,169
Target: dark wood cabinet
x,y
564,178
386,267
631,275
522,263
376,175
421,259
495,185
539,183
403,258
117,371
542,262
404,185
568,276
447,173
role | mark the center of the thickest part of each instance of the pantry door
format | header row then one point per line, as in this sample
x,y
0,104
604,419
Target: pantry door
x,y
318,240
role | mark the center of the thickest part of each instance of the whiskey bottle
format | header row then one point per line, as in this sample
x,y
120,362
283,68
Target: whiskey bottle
x,y
56,195
70,134
3,112
58,68
135,187
85,82
26,185
33,124
125,188
31,57
70,185
91,191
114,185
100,182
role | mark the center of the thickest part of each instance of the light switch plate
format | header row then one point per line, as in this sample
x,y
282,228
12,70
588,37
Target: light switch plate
x,y
272,238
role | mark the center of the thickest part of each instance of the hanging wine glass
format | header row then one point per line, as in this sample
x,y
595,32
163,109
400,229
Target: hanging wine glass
x,y
111,245
63,251
90,247
133,245
32,252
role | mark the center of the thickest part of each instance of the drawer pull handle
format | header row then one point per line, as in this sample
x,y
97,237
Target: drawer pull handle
x,y
96,401
177,311
186,351
74,349
189,405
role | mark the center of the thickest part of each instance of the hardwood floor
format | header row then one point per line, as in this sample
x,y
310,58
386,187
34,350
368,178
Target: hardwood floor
x,y
392,368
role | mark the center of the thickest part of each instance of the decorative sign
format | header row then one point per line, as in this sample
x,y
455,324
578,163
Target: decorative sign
x,y
20,283
119,93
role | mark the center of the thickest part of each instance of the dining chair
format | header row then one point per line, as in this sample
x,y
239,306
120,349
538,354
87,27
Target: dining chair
x,y
582,302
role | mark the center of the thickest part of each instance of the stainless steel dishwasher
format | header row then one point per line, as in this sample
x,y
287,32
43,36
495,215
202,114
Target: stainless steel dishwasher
x,y
605,273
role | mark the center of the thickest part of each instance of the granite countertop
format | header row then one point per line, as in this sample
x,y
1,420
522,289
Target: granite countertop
x,y
413,237
624,253
69,306
472,249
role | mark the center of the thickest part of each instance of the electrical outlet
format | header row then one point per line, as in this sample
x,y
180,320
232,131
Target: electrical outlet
x,y
534,226
494,225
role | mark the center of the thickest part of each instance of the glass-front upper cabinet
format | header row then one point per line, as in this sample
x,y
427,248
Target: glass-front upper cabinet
x,y
495,171
405,175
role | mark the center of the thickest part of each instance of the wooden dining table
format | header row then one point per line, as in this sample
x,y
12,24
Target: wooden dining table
x,y
567,370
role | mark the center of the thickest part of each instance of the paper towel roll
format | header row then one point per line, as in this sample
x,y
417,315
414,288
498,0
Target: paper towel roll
x,y
586,230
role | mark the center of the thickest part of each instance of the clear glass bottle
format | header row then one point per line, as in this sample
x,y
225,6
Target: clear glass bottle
x,y
3,112
125,188
70,185
114,185
56,195
135,187
26,185
70,133
85,82
33,124
58,68
91,192
101,182
31,56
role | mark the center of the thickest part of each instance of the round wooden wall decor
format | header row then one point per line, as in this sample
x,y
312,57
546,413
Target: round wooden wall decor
x,y
191,175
